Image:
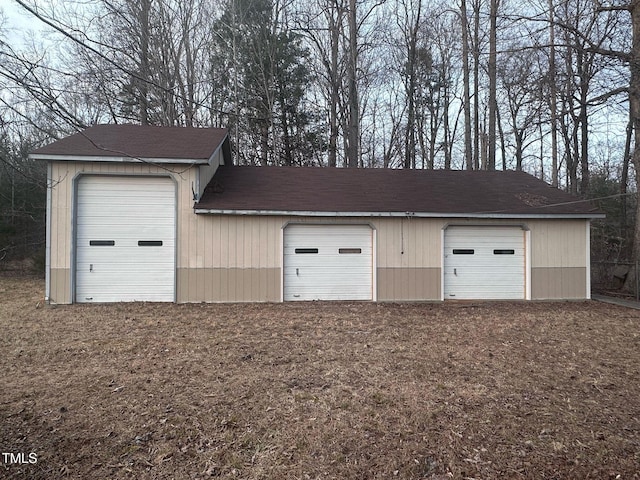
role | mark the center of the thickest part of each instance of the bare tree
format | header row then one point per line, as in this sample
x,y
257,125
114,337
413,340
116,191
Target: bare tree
x,y
409,21
584,33
323,23
475,42
353,129
521,81
493,40
553,94
466,99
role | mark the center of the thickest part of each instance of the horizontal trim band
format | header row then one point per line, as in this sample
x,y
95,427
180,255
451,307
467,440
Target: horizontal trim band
x,y
294,213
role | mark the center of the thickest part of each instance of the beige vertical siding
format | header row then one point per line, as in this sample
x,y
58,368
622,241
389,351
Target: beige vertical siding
x,y
238,258
229,258
229,284
409,284
60,281
409,257
558,243
409,243
549,283
559,259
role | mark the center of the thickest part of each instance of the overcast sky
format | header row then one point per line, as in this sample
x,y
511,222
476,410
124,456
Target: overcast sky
x,y
18,24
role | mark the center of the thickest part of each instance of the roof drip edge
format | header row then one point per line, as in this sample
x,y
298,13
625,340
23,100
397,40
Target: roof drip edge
x,y
115,159
488,215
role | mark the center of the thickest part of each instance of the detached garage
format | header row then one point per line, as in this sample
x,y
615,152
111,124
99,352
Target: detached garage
x,y
139,213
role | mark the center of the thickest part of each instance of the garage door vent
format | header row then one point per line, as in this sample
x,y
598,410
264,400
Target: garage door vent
x,y
102,243
149,243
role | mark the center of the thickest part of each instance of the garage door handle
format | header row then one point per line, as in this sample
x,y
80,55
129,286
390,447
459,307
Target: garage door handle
x,y
91,267
297,273
455,272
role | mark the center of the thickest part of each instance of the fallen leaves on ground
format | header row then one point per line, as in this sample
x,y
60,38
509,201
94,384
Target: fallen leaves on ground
x,y
318,390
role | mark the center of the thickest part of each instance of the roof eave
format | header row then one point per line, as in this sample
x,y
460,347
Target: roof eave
x,y
122,159
311,213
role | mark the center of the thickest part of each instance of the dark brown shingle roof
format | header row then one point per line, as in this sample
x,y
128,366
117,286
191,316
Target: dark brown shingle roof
x,y
138,141
437,192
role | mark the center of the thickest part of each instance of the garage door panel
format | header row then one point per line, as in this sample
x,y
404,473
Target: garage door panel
x,y
327,271
135,250
329,263
313,279
116,277
103,264
513,274
484,263
115,214
117,217
124,213
337,264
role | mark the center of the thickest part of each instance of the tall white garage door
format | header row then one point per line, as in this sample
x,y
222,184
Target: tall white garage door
x,y
484,263
125,239
328,262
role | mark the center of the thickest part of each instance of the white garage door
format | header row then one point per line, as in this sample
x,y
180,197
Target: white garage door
x,y
484,263
125,240
328,262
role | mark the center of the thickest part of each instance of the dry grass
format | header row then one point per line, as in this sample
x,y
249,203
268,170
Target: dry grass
x,y
322,390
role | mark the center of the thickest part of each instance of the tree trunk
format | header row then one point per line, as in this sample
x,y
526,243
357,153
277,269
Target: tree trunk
x,y
634,111
518,137
433,139
624,180
410,137
575,158
447,133
552,97
503,144
143,88
286,130
335,22
468,153
354,103
476,84
541,150
264,141
569,120
584,131
412,40
493,14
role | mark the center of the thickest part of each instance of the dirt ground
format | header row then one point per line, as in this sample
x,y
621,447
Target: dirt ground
x,y
317,390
